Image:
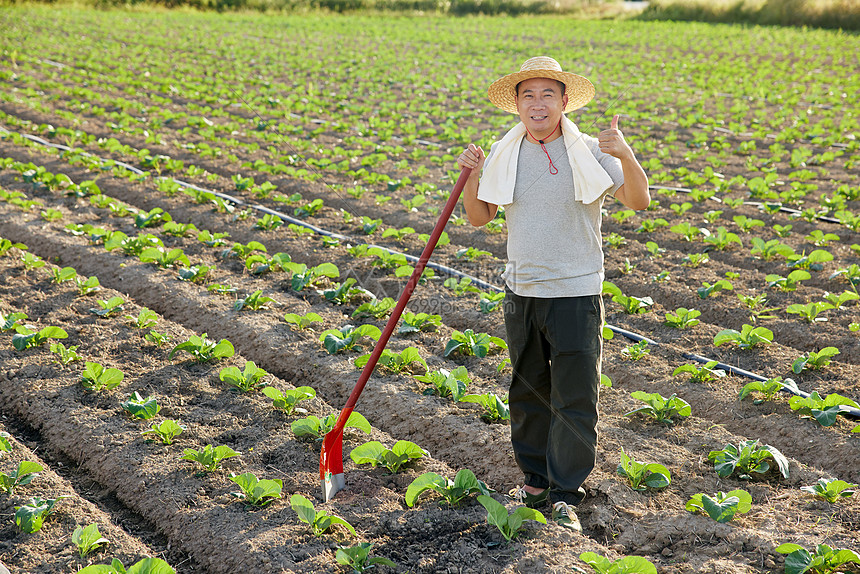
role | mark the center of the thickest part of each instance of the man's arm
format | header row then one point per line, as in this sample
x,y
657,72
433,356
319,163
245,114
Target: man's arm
x,y
478,212
634,192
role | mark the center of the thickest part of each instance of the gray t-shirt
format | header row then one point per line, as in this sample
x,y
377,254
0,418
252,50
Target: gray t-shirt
x,y
554,242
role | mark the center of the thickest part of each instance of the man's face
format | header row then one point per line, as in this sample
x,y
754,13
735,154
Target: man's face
x,y
540,102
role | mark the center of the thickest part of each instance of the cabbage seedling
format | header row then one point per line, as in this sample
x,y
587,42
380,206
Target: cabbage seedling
x,y
642,476
157,338
508,524
64,274
768,388
257,492
164,258
166,430
813,360
722,506
288,399
810,311
25,473
109,307
88,539
823,560
210,457
470,343
342,293
303,321
702,374
87,285
789,283
246,380
8,322
318,428
495,408
417,322
25,337
746,458
395,362
374,453
97,378
141,408
447,384
304,276
377,308
823,410
490,302
660,408
627,564
145,319
5,445
358,557
831,489
65,354
320,521
203,349
706,290
747,338
682,318
195,273
31,516
636,351
452,491
347,337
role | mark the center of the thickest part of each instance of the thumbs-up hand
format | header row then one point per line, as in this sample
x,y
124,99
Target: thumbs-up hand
x,y
612,141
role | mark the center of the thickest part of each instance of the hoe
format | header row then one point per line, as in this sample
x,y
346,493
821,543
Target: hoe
x,y
331,456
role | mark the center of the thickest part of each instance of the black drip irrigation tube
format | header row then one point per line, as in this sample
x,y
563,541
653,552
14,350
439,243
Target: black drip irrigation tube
x,y
843,409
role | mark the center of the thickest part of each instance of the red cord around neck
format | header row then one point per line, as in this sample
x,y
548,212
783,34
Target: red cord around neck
x,y
552,169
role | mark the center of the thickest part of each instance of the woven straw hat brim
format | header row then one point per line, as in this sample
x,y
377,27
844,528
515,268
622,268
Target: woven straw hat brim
x,y
502,92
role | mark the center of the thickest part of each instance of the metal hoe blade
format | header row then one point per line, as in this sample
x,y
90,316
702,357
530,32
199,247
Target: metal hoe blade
x,y
331,455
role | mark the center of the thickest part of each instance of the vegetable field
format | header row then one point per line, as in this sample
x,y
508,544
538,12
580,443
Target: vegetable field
x,y
205,220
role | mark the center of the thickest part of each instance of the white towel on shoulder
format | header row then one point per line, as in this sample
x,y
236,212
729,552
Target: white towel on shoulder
x,y
590,180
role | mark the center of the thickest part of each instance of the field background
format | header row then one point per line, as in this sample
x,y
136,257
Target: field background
x,y
747,128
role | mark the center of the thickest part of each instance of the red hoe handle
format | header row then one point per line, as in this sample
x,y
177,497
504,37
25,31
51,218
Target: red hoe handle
x,y
331,456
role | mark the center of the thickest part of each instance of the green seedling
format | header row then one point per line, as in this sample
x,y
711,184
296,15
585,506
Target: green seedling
x,y
768,250
377,308
157,338
495,408
746,224
358,557
447,383
746,458
722,239
259,264
221,289
22,476
404,361
660,408
460,286
508,524
317,428
96,377
8,322
309,209
723,506
346,292
347,337
25,337
768,388
209,457
257,492
636,351
139,407
5,444
489,302
243,251
179,229
399,234
65,355
393,459
470,343
789,283
6,245
471,253
452,491
304,276
269,222
202,349
31,516
831,489
418,322
625,565
245,380
288,399
301,322
814,360
641,476
165,258
152,218
702,374
814,261
747,338
87,285
88,539
755,304
838,301
110,307
850,273
682,318
707,289
319,520
166,431
195,273
823,410
810,311
695,260
145,319
821,239
386,259
823,560
31,261
63,275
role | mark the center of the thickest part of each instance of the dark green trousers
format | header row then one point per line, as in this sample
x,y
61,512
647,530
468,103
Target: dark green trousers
x,y
555,347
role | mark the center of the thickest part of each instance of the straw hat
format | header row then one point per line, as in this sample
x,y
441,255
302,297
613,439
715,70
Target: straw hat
x,y
503,94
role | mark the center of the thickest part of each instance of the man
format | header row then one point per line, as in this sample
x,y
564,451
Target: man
x,y
553,180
